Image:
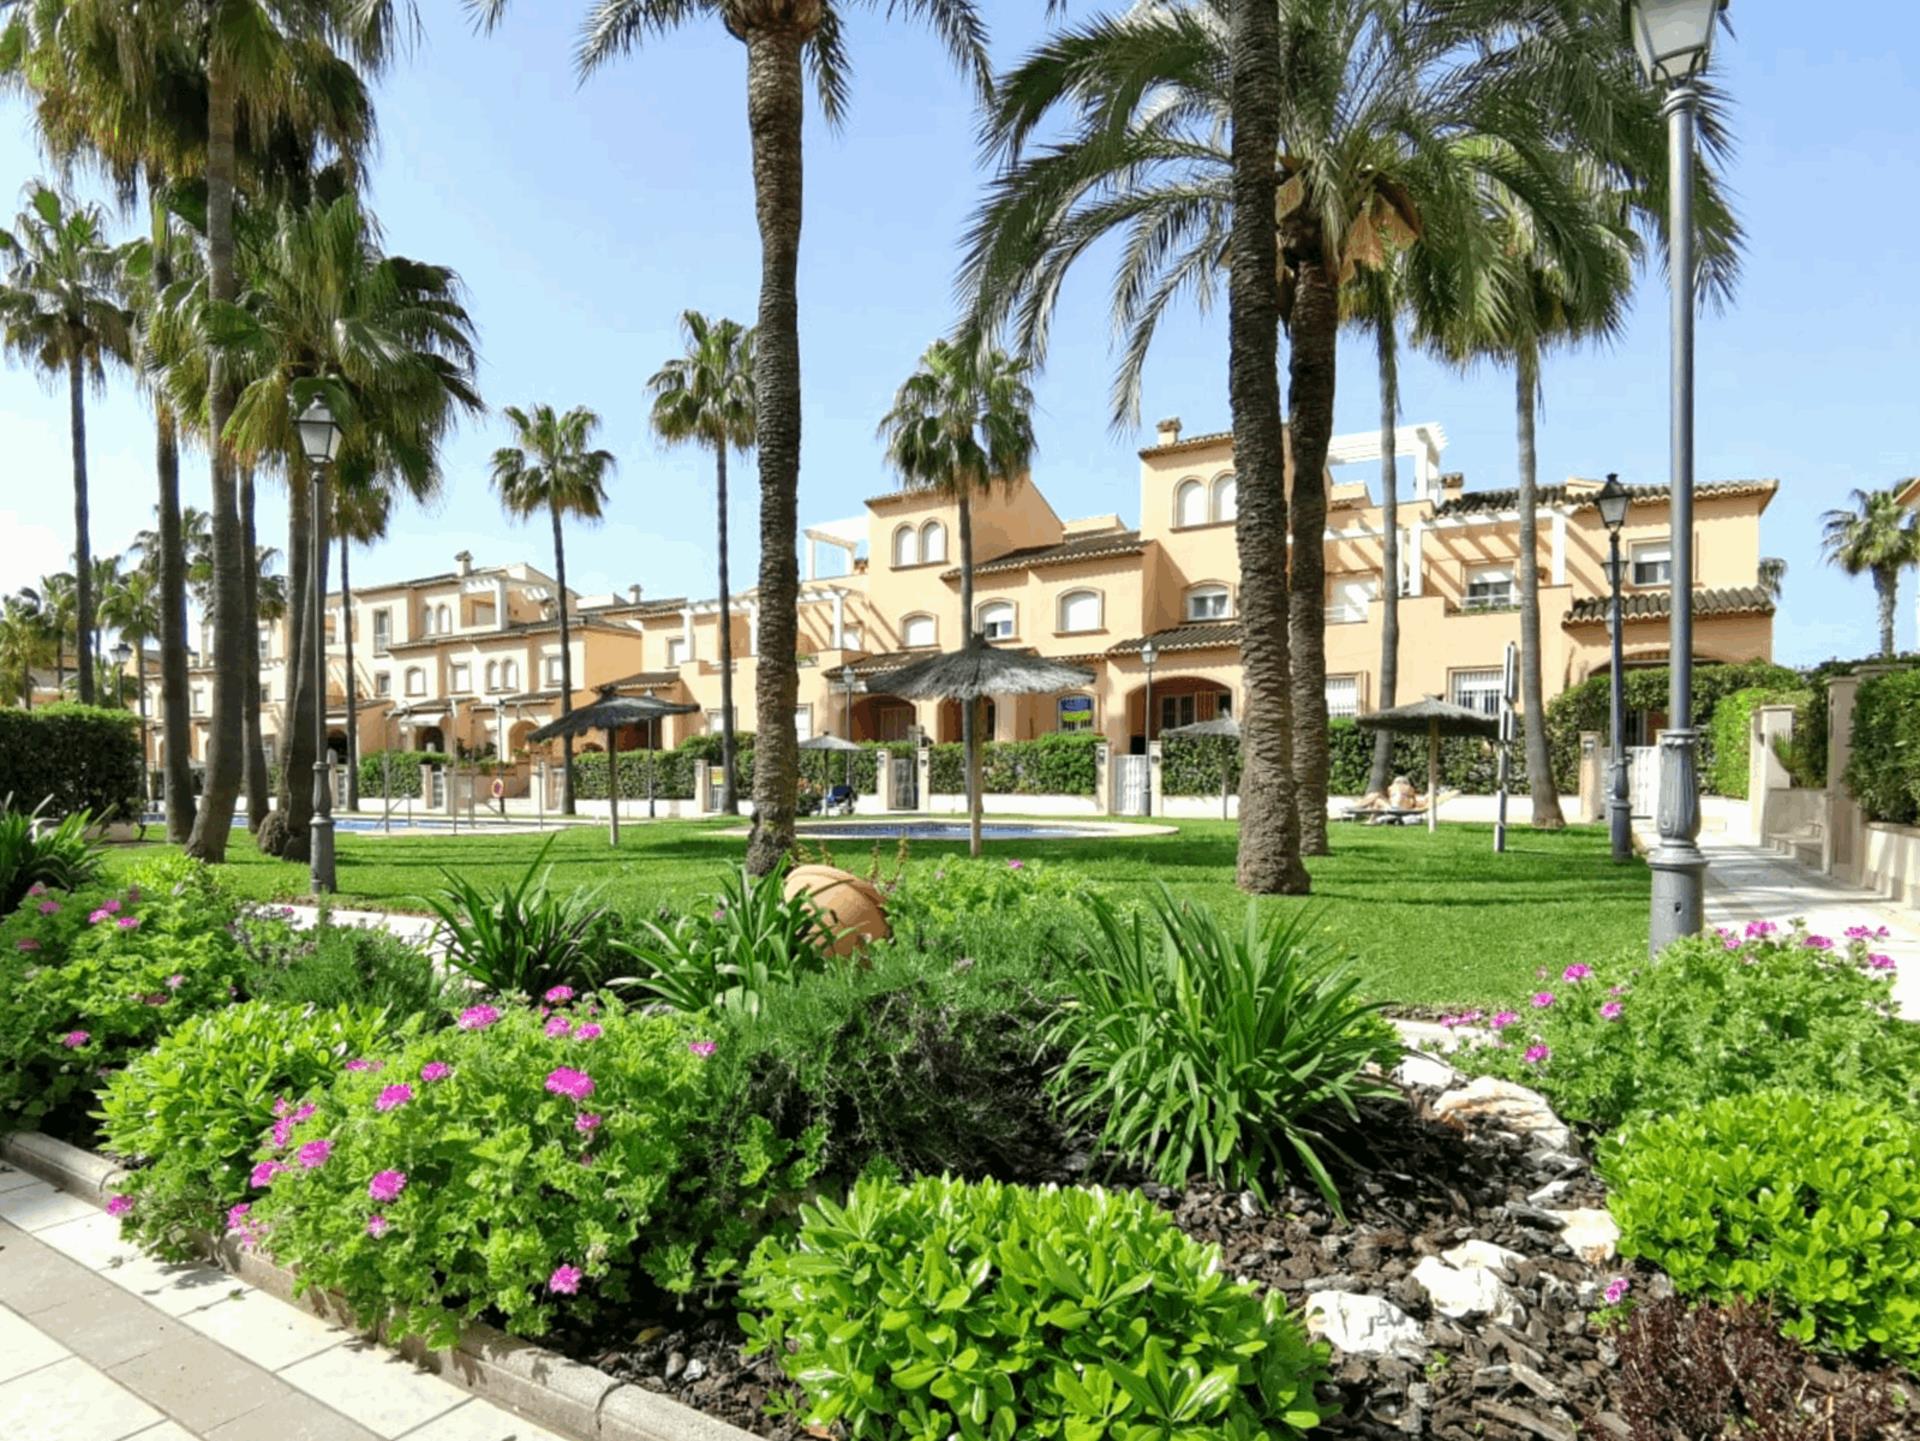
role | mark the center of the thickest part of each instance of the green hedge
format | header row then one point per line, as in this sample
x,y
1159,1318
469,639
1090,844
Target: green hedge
x,y
1049,765
406,771
672,775
75,757
1884,770
1729,736
1191,765
1584,707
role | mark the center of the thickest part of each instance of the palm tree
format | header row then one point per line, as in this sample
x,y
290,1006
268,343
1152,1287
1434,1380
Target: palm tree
x,y
961,424
1374,299
133,609
60,312
1878,538
1771,575
360,515
784,39
553,467
26,641
706,396
57,599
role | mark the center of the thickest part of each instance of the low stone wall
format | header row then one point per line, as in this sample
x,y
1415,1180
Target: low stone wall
x,y
1017,805
1890,862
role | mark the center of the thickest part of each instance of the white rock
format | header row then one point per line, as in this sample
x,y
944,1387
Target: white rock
x,y
1364,1325
1591,1233
1552,1191
1419,1070
1488,1098
1473,1292
1478,1255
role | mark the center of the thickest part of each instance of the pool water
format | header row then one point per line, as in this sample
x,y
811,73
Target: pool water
x,y
952,831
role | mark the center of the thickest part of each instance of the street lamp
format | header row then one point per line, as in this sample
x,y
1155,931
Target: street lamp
x,y
320,439
1613,501
1149,653
122,653
1674,39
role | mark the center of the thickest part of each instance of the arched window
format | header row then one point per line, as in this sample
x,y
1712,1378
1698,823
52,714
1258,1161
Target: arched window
x,y
1081,610
416,681
906,547
933,542
996,619
446,619
917,632
510,674
1226,498
1209,602
426,619
493,675
1190,504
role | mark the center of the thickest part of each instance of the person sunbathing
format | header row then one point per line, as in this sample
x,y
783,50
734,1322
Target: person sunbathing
x,y
1401,796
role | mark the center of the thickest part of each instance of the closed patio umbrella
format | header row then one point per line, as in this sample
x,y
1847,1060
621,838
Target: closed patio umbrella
x,y
609,713
1434,718
1225,728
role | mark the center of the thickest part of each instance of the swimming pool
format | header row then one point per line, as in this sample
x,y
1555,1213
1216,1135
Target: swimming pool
x,y
990,830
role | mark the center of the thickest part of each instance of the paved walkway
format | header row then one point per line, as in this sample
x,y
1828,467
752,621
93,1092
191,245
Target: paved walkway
x,y
98,1342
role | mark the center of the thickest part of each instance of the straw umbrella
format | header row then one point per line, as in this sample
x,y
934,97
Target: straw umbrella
x,y
830,742
1435,718
971,675
1226,728
609,713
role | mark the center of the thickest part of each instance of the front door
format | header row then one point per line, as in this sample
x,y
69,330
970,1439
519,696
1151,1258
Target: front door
x,y
1132,785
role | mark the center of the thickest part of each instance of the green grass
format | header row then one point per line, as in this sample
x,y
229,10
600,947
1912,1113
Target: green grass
x,y
1434,920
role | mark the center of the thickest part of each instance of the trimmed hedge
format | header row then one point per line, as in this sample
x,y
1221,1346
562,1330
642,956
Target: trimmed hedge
x,y
1729,737
1584,707
74,757
672,775
1884,770
1051,765
1192,765
406,771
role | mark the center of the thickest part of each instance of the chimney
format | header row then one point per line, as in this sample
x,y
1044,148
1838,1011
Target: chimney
x,y
1169,430
633,594
463,563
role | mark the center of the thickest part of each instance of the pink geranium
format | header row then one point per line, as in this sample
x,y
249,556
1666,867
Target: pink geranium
x,y
387,1185
565,1081
558,995
558,1026
588,1032
377,1225
586,1123
128,923
1880,962
264,1173
1611,1011
1536,1055
27,943
477,1018
393,1097
1502,1019
435,1071
313,1155
1576,972
1757,929
1818,943
565,1280
74,1040
361,1063
1542,999
49,908
1617,1289
702,1049
119,1205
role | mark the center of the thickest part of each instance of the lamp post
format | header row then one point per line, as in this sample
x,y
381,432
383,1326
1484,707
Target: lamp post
x,y
122,653
320,439
1613,500
1149,653
1674,39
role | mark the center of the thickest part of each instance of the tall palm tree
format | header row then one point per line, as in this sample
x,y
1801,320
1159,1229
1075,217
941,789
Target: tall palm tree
x,y
106,580
552,466
1877,538
360,515
706,396
57,599
60,312
133,609
1374,300
784,40
26,643
961,424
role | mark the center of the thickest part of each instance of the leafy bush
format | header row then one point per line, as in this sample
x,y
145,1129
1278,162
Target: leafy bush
x,y
672,775
191,1112
36,857
727,958
523,938
1584,707
335,965
1715,1015
1201,1050
1060,764
1806,1203
95,976
974,1309
74,758
1884,771
1193,765
956,908
1730,735
520,1165
404,777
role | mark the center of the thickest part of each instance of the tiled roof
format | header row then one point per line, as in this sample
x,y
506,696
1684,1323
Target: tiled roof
x,y
1658,604
641,680
1188,442
667,606
518,628
1208,636
1477,502
1086,547
877,664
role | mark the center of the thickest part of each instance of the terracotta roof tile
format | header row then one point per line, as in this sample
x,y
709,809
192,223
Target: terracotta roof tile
x,y
1085,547
1478,502
1209,635
1658,605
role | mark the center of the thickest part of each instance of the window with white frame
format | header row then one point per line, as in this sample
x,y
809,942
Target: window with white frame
x,y
1351,597
803,723
918,631
933,542
1190,503
382,631
1081,610
510,675
1343,696
906,547
427,624
199,700
1652,562
554,672
676,650
996,620
1476,690
416,680
266,641
1209,602
459,677
383,683
1489,587
446,619
1226,499
493,675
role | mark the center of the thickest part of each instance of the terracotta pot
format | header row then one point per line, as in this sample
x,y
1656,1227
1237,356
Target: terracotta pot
x,y
851,907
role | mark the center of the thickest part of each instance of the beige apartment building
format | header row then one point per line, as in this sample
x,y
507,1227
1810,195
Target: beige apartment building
x,y
469,659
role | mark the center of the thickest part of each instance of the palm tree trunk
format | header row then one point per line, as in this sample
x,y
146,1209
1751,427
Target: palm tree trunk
x,y
1546,801
729,768
1886,590
141,674
176,720
970,713
82,543
256,766
775,103
296,775
1315,330
353,690
566,679
1269,860
234,658
1379,777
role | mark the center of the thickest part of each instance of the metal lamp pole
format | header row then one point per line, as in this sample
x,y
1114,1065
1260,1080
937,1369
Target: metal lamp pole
x,y
320,438
1148,655
1613,500
1674,39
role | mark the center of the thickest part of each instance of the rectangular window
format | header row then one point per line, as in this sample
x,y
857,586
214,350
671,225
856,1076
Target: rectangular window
x,y
266,696
1343,696
917,632
383,683
554,673
1653,563
382,631
1177,710
1208,603
199,700
1080,611
850,637
416,682
459,678
1476,690
803,722
266,642
266,746
1489,587
1351,597
677,651
996,621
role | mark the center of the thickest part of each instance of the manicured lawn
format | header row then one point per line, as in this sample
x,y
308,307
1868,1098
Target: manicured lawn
x,y
1434,921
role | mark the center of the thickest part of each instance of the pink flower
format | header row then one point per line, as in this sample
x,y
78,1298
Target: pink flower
x,y
559,1026
1880,962
1731,942
176,981
392,1097
1576,972
1617,1290
586,1123
435,1071
558,995
387,1185
565,1081
1757,929
565,1280
95,917
703,1049
1536,1055
237,1215
1503,1019
1867,933
588,1032
377,1225
1611,1011
477,1018
1016,865
38,888
112,908
361,1063
49,908
1542,999
119,1205
27,943
1616,990
264,1173
74,1040
313,1155
128,923
1818,943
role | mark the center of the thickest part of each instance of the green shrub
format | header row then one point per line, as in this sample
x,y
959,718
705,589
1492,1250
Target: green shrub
x,y
522,1166
1584,707
190,1113
672,775
36,858
524,938
1192,765
95,976
403,779
1883,772
73,758
1006,910
1199,1050
1730,736
979,1310
1715,1015
1060,764
728,955
1807,1203
334,965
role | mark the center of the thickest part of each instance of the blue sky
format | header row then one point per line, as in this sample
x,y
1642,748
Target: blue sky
x,y
584,218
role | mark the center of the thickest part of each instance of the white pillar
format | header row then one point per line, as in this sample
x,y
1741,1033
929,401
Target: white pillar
x,y
686,633
1559,547
839,620
1416,559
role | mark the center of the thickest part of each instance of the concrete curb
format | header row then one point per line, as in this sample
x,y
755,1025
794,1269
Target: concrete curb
x,y
529,1380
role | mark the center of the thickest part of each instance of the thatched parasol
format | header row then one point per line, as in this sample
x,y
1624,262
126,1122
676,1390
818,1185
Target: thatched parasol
x,y
1222,728
971,675
1434,718
609,713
